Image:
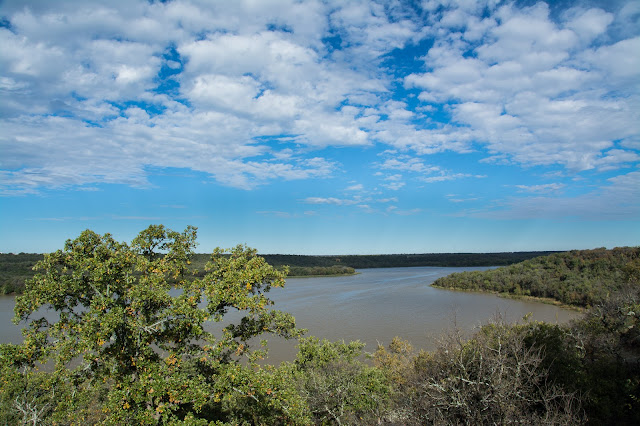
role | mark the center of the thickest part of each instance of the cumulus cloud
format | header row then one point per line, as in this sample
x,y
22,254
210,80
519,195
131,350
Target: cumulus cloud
x,y
254,92
541,189
331,200
535,90
355,187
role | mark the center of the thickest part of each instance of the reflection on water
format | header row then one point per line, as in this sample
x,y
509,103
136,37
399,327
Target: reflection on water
x,y
374,306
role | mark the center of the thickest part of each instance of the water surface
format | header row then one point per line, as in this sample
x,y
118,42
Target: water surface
x,y
378,304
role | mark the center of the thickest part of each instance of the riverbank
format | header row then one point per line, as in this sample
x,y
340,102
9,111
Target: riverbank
x,y
522,297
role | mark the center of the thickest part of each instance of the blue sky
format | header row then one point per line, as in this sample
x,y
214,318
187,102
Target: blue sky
x,y
322,127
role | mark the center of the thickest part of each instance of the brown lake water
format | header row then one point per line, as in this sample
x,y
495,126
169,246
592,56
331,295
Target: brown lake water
x,y
374,306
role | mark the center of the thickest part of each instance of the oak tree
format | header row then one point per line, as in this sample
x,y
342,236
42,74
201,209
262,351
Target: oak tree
x,y
132,320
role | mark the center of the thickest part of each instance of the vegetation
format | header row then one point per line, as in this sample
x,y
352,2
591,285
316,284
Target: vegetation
x,y
587,372
404,260
580,278
122,339
15,269
130,345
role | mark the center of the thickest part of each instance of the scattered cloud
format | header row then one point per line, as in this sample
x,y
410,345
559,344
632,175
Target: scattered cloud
x,y
444,176
534,90
541,189
396,211
618,200
96,92
331,200
458,199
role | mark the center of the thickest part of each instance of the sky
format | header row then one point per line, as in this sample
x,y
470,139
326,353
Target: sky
x,y
322,127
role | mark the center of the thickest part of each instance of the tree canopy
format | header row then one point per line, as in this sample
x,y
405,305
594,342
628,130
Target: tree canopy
x,y
130,315
578,277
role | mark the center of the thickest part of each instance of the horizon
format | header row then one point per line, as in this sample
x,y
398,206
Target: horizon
x,y
304,128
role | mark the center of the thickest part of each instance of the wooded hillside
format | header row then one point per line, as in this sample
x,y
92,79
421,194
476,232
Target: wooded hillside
x,y
579,277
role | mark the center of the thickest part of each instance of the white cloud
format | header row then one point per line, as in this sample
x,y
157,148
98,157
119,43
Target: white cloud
x,y
331,200
535,90
408,164
588,24
99,92
541,189
393,186
356,187
445,176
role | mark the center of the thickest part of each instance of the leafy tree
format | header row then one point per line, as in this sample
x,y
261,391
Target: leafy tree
x,y
131,321
339,388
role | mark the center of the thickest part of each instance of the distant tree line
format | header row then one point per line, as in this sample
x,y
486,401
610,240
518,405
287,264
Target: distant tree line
x,y
319,271
16,268
406,260
578,277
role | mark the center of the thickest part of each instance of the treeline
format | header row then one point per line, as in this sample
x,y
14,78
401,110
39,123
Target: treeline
x,y
579,277
318,271
405,260
16,268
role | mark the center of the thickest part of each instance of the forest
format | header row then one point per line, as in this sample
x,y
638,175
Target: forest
x,y
579,278
124,351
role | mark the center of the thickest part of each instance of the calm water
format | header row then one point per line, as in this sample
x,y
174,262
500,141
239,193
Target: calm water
x,y
374,306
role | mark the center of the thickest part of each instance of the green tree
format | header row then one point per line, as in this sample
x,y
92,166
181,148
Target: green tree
x,y
131,321
339,388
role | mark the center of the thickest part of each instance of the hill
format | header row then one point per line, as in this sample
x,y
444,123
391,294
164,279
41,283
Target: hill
x,y
579,278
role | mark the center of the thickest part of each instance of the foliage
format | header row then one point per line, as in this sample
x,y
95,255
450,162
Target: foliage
x,y
337,387
128,319
404,260
587,372
15,269
609,340
493,378
305,271
580,278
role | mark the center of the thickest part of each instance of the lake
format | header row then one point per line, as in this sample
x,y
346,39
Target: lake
x,y
374,306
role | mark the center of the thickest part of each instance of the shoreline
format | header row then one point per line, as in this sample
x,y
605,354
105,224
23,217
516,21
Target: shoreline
x,y
545,300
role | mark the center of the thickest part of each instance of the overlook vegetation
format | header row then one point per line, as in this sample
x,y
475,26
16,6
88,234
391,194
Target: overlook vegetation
x,y
123,350
579,278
